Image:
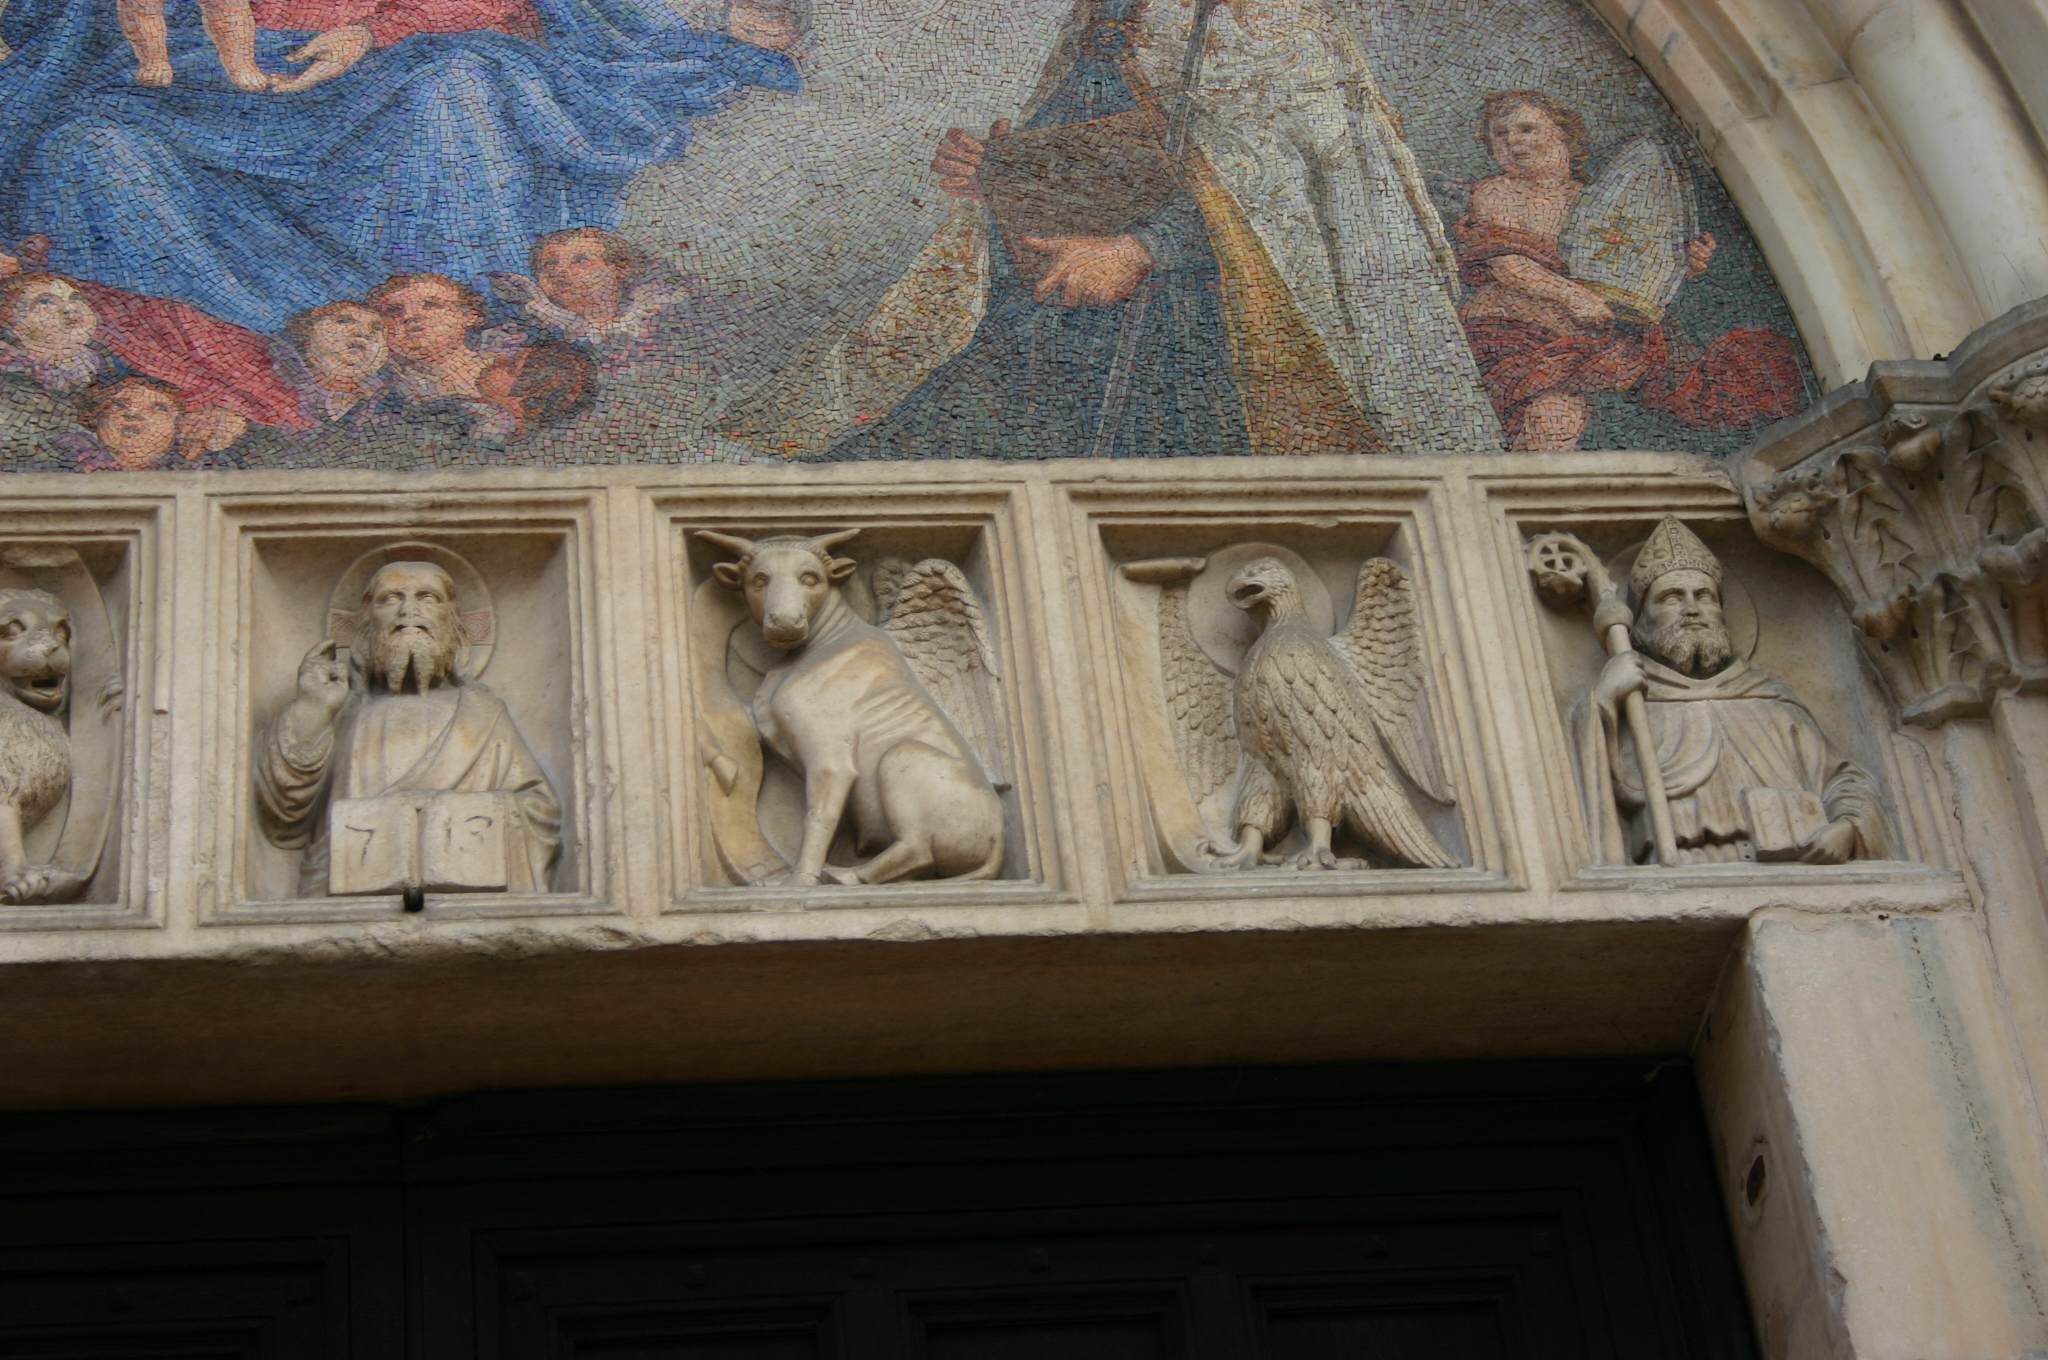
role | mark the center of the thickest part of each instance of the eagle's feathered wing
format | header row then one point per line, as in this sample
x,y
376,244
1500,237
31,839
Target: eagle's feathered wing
x,y
1382,643
931,612
1197,699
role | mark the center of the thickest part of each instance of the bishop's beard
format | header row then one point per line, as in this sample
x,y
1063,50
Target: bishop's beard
x,y
1694,651
409,659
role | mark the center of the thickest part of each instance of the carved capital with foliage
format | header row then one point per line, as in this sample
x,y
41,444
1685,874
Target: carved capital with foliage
x,y
1922,493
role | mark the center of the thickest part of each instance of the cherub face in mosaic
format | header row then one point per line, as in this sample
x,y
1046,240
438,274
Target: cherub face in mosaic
x,y
1534,142
427,318
343,344
46,317
538,385
585,271
996,228
135,420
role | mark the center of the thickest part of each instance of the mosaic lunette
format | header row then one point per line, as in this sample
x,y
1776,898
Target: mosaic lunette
x,y
759,232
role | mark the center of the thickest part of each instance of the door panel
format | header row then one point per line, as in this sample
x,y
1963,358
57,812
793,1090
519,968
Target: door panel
x,y
1525,1211
178,1276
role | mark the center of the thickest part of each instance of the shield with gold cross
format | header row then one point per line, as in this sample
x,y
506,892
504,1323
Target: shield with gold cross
x,y
1627,233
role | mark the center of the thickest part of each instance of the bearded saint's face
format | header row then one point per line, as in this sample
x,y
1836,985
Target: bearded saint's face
x,y
1681,625
410,630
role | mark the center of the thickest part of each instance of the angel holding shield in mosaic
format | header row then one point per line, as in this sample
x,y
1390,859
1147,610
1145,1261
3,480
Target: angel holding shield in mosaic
x,y
1571,281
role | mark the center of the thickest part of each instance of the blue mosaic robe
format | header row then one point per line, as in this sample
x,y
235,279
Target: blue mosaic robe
x,y
444,152
1031,381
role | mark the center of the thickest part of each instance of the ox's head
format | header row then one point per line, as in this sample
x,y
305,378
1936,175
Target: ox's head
x,y
787,580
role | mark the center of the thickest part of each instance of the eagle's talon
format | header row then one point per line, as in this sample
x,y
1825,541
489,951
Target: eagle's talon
x,y
1230,855
1322,857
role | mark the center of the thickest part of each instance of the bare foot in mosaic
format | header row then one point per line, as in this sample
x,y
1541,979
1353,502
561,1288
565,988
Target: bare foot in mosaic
x,y
252,78
233,30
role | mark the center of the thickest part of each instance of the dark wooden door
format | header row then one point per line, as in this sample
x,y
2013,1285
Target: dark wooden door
x,y
1436,1213
243,1234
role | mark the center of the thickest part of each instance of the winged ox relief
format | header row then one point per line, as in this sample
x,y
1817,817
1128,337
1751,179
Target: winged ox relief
x,y
1314,748
882,696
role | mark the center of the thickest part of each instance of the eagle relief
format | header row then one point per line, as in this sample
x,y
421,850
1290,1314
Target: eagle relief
x,y
1305,745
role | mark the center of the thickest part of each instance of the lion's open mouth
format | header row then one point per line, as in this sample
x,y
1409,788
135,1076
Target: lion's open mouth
x,y
44,693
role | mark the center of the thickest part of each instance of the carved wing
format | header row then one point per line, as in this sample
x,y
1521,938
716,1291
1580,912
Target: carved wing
x,y
1198,700
930,611
1382,641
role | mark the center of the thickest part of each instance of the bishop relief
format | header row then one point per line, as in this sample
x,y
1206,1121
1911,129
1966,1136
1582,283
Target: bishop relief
x,y
1741,769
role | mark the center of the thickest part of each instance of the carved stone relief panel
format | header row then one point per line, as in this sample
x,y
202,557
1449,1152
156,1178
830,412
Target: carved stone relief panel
x,y
1285,704
69,636
852,708
415,720
1682,635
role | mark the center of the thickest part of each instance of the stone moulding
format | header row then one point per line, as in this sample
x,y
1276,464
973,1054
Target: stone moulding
x,y
1922,494
603,558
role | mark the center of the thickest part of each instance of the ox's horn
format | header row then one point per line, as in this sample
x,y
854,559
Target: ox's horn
x,y
741,548
825,543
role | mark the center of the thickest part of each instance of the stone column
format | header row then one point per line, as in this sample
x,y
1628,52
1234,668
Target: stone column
x,y
1877,1141
1928,69
1872,1079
